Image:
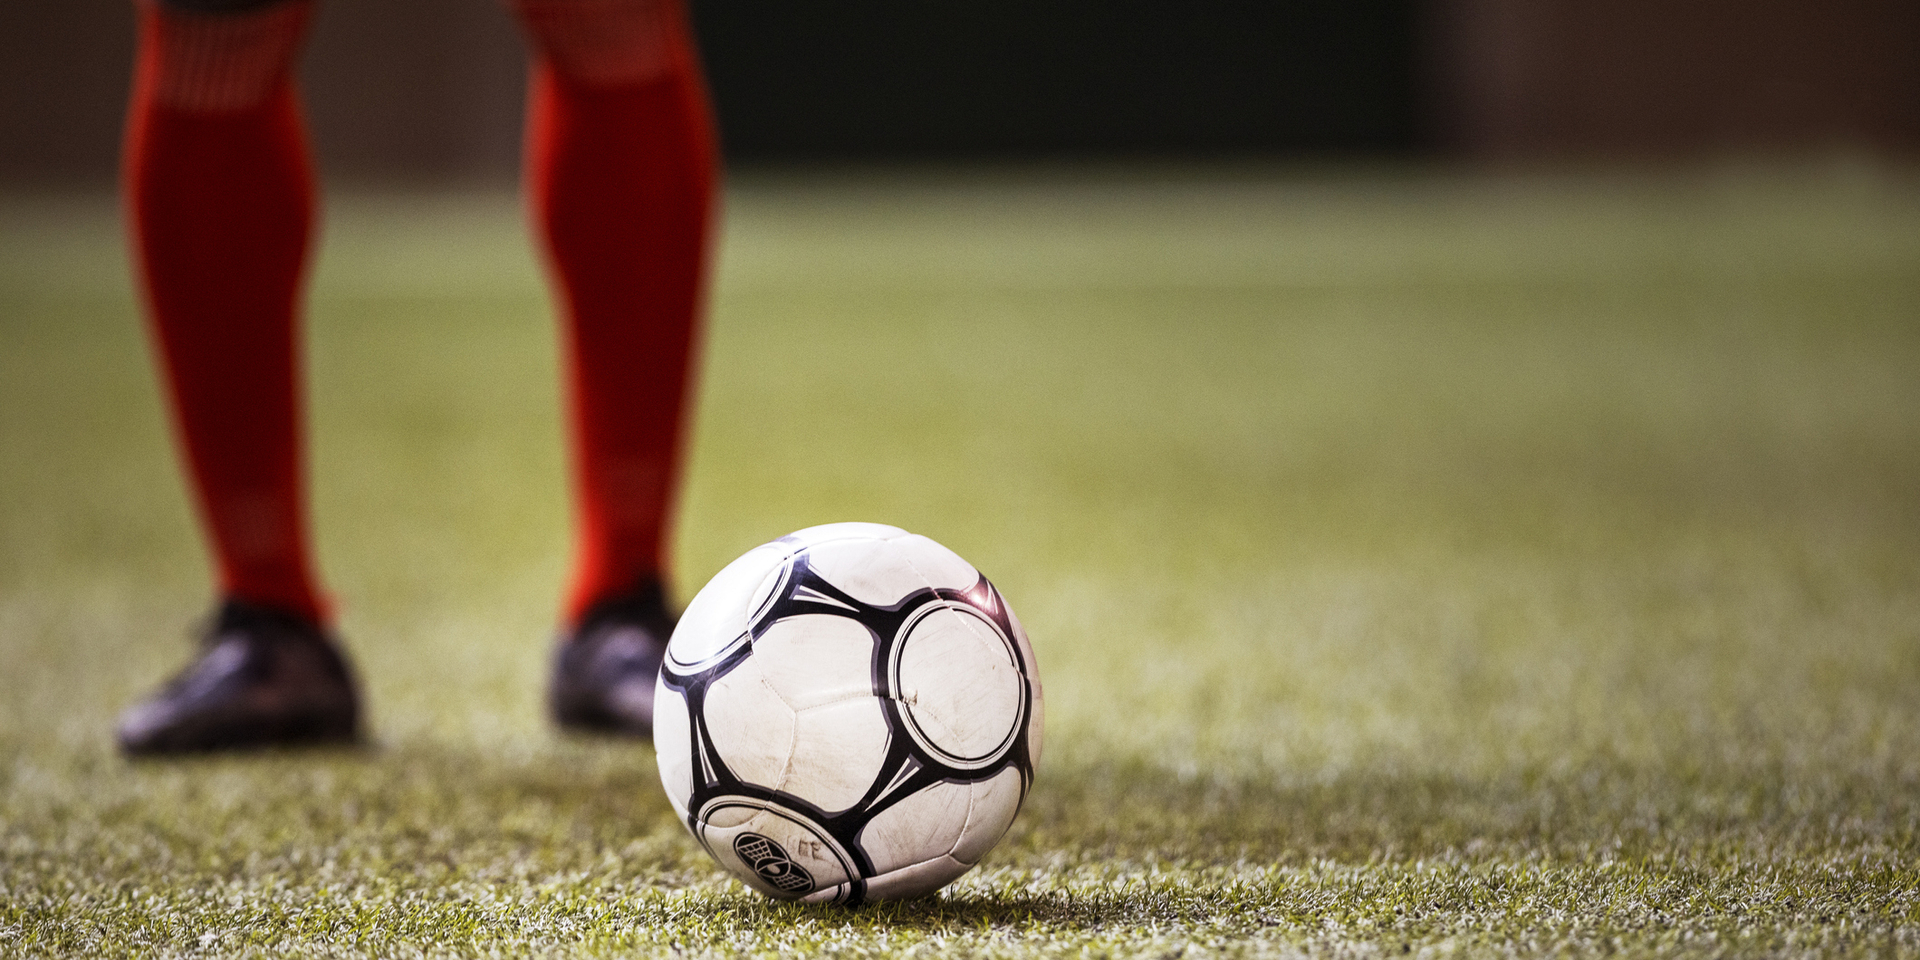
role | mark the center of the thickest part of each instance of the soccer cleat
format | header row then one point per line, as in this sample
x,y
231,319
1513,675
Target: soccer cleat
x,y
604,668
265,678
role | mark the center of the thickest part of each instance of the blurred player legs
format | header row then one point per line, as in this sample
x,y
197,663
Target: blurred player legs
x,y
620,165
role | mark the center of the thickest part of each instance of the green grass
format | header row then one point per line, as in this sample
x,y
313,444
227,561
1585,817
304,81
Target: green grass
x,y
1416,563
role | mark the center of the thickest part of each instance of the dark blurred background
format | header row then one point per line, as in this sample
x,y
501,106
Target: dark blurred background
x,y
429,90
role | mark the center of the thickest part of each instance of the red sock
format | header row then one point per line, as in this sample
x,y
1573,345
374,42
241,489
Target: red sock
x,y
220,196
620,166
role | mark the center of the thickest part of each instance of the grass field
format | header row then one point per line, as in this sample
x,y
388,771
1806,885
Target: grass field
x,y
1417,564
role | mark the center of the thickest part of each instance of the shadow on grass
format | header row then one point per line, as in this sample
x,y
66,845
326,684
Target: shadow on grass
x,y
1001,909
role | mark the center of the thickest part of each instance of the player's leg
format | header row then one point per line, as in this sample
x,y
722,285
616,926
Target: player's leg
x,y
220,196
620,169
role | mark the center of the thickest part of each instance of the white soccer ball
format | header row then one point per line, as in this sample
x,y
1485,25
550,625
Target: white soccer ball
x,y
848,713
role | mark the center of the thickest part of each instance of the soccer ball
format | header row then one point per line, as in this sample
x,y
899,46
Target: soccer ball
x,y
848,713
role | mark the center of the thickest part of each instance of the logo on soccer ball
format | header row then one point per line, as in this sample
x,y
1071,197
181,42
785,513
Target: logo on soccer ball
x,y
770,861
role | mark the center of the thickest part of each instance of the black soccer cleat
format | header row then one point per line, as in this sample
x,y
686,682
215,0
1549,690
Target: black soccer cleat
x,y
265,678
605,667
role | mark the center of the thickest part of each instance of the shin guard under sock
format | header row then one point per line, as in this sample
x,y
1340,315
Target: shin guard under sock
x,y
620,169
220,196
